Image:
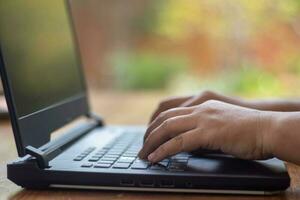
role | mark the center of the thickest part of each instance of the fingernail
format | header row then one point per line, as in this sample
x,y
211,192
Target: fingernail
x,y
151,157
140,154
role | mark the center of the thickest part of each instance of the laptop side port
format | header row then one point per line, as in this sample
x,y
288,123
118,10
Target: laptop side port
x,y
167,183
189,185
147,183
126,182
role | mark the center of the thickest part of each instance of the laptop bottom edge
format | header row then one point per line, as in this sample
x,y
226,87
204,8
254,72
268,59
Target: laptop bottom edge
x,y
172,190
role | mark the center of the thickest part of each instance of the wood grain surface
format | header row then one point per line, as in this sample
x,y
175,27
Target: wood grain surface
x,y
117,108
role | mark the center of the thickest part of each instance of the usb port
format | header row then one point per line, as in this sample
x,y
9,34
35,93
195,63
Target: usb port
x,y
167,183
127,182
147,183
189,185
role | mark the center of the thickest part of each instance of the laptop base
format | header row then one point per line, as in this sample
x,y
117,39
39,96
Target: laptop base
x,y
213,173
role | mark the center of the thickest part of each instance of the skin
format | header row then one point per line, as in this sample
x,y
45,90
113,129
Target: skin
x,y
245,129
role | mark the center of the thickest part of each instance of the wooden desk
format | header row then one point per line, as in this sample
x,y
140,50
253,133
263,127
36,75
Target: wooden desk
x,y
117,108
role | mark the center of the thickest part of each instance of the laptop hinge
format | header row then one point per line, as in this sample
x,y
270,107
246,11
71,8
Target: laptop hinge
x,y
47,152
97,118
40,156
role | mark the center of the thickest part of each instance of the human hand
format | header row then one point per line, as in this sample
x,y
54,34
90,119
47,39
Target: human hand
x,y
169,103
212,125
187,101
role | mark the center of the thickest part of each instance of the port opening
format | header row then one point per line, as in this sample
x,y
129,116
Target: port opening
x,y
146,183
127,182
189,185
167,183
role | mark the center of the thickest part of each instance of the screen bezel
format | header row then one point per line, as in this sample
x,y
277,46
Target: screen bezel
x,y
35,129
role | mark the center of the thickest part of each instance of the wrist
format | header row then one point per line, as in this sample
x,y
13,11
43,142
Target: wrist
x,y
270,133
276,135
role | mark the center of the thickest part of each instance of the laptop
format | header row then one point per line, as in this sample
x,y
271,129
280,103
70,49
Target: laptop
x,y
45,91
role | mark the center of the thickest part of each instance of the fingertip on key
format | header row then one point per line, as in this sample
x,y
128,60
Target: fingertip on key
x,y
141,155
152,157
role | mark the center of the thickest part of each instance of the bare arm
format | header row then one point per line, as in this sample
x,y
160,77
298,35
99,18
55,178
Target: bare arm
x,y
285,140
274,105
282,105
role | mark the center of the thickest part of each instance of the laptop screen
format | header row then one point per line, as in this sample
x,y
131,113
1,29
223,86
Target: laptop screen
x,y
39,54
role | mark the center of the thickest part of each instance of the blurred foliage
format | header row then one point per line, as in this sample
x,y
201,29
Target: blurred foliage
x,y
180,18
294,66
236,46
146,70
245,81
250,81
263,34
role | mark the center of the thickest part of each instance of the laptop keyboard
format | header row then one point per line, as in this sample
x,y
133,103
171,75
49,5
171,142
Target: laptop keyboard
x,y
122,154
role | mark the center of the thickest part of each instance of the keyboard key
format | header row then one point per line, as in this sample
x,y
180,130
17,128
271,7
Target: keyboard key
x,y
157,167
102,165
179,161
78,158
181,156
94,159
87,165
105,162
108,159
107,147
114,153
130,154
119,148
121,165
84,154
96,156
177,167
111,156
179,164
124,159
164,163
140,160
89,150
140,165
101,151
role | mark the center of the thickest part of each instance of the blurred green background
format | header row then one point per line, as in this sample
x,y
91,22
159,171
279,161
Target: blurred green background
x,y
240,47
248,48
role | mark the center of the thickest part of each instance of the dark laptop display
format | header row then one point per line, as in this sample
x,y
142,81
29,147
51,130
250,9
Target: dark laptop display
x,y
41,61
44,89
46,52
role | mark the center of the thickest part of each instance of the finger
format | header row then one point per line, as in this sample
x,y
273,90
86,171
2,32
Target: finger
x,y
199,99
167,115
168,129
185,142
168,104
208,95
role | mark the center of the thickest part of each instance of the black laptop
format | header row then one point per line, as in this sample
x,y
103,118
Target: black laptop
x,y
45,92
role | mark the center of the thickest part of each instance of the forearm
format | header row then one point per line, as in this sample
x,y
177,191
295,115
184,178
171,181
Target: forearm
x,y
284,136
274,105
267,105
